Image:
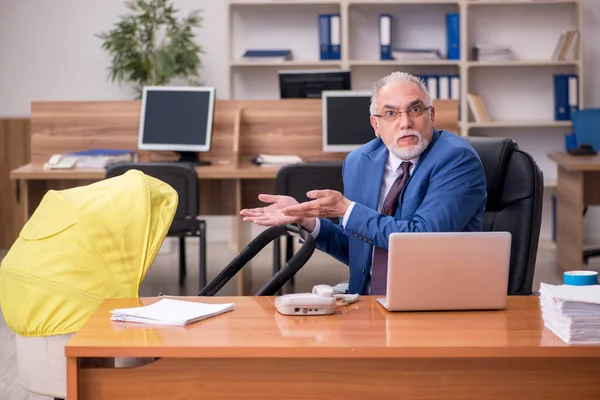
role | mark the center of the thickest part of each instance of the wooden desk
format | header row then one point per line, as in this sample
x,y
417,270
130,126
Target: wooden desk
x,y
225,171
361,352
34,182
578,185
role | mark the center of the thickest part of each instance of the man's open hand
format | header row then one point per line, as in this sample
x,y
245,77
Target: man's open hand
x,y
327,204
271,215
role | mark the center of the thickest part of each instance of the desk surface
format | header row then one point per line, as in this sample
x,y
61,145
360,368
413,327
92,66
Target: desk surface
x,y
214,171
576,163
360,330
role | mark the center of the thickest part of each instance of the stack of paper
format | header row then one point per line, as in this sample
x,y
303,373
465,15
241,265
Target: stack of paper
x,y
416,54
170,312
572,312
272,159
267,55
492,52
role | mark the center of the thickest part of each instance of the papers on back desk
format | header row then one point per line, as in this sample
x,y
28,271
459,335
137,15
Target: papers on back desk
x,y
572,312
170,312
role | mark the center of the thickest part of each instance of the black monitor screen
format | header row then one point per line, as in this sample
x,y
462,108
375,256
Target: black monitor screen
x,y
310,84
177,118
346,123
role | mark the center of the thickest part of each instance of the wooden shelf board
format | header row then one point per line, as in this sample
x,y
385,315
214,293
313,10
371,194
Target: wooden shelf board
x,y
374,63
519,124
291,63
519,2
522,63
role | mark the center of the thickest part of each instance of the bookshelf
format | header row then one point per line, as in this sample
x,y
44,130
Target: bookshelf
x,y
518,94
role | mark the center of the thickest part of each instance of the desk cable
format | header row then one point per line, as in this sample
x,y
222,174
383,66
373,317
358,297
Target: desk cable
x,y
347,299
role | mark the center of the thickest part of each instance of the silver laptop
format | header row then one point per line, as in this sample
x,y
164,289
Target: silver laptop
x,y
447,271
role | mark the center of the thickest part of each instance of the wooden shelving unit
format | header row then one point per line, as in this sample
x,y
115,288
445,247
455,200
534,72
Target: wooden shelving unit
x,y
531,27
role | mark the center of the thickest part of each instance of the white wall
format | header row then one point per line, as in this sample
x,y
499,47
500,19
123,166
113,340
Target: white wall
x,y
48,51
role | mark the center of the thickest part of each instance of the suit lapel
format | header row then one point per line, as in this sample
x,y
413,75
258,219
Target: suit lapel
x,y
372,174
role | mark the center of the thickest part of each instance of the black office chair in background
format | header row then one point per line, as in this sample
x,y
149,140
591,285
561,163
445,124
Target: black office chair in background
x,y
515,189
181,177
297,179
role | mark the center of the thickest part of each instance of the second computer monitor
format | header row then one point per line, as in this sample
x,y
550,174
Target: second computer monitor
x,y
177,119
298,84
346,123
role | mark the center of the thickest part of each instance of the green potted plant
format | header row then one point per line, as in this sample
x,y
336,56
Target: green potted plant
x,y
151,47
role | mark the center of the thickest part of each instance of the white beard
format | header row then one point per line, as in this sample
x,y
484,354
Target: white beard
x,y
408,152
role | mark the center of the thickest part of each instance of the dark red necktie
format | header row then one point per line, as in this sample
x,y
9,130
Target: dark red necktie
x,y
380,256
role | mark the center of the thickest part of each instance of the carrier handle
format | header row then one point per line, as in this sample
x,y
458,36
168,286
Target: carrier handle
x,y
280,278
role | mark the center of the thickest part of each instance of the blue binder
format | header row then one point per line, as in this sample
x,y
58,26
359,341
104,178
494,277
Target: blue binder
x,y
324,36
455,87
561,97
585,126
573,92
335,37
453,35
385,37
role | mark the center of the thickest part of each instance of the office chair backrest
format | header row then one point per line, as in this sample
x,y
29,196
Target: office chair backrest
x,y
180,176
515,194
297,179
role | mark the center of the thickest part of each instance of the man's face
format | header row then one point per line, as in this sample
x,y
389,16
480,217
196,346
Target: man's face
x,y
407,136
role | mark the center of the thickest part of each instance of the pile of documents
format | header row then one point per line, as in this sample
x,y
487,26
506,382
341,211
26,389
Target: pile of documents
x,y
272,159
170,312
416,54
492,52
572,312
93,159
267,55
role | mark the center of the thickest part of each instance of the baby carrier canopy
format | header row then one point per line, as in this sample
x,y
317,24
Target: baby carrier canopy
x,y
81,246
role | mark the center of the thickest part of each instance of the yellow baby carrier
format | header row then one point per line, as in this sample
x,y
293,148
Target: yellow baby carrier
x,y
81,246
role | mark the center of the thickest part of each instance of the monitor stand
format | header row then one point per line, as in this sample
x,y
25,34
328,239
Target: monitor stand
x,y
191,157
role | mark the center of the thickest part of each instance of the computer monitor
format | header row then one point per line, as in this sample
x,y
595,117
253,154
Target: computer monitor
x,y
299,84
177,119
346,124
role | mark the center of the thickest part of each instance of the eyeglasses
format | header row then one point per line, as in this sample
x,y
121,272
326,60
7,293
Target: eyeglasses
x,y
414,111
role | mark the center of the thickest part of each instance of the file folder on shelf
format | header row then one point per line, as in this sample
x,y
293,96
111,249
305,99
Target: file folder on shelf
x,y
385,36
324,36
453,35
573,92
455,87
444,87
566,96
335,33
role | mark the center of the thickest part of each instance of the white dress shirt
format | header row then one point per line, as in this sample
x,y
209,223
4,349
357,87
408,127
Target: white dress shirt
x,y
390,173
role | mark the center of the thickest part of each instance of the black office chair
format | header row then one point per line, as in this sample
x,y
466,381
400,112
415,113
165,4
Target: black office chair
x,y
515,189
297,179
181,177
591,252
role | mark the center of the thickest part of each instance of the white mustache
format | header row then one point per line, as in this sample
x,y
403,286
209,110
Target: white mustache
x,y
409,132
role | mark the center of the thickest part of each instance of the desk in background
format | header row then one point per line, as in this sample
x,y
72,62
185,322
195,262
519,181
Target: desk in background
x,y
361,352
241,130
578,185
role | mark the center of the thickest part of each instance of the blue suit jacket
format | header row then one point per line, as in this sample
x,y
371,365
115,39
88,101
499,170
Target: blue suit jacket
x,y
446,192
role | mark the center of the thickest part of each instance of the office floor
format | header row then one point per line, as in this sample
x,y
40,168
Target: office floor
x,y
162,277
